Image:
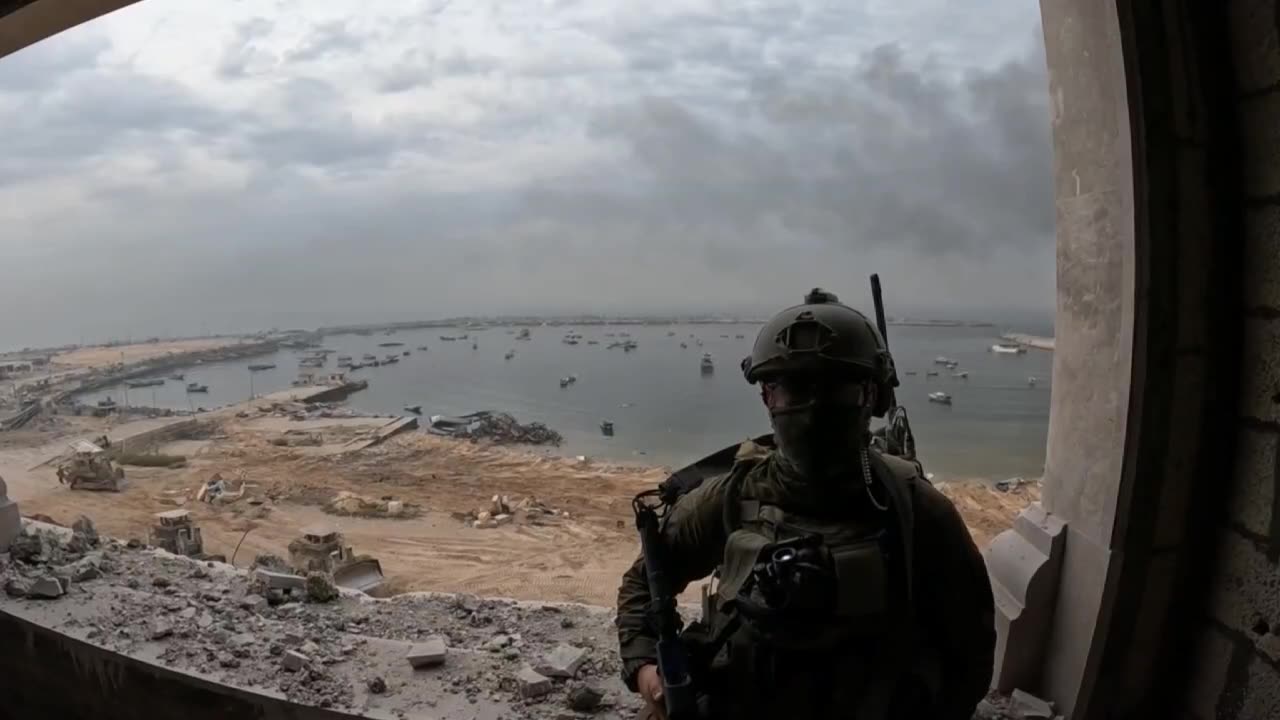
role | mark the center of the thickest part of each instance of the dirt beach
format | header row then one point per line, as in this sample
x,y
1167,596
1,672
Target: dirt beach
x,y
571,546
101,356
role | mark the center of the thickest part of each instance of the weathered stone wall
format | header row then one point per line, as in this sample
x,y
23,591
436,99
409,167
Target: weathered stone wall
x,y
1236,667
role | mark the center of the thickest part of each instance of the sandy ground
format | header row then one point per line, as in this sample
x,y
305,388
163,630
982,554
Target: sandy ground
x,y
90,357
575,558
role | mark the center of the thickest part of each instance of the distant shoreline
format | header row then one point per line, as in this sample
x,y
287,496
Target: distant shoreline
x,y
481,323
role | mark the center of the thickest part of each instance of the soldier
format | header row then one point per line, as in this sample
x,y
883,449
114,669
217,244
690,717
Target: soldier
x,y
846,586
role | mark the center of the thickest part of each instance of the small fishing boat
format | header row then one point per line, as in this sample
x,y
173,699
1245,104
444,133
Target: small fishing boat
x,y
145,382
390,344
931,373
707,365
510,354
684,345
344,361
940,397
606,427
564,382
415,409
423,348
1031,381
197,388
178,376
405,353
258,367
962,375
390,359
911,372
1007,349
943,360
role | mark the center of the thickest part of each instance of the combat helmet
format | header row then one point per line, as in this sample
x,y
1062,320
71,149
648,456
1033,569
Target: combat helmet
x,y
823,334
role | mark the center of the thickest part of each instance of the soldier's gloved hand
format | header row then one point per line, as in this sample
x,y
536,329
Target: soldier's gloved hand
x,y
649,683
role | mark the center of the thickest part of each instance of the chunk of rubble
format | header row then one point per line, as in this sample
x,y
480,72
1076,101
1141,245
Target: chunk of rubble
x,y
585,698
428,653
160,629
320,587
280,580
1030,707
294,660
47,587
532,683
84,536
376,685
562,662
31,547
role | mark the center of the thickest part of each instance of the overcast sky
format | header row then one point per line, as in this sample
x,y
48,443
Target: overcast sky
x,y
206,164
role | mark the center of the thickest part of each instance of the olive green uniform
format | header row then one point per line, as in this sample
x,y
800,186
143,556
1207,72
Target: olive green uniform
x,y
947,625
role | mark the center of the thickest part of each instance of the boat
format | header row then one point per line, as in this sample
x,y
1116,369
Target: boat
x,y
564,382
178,376
962,375
911,372
145,382
405,353
931,373
415,409
107,404
523,335
448,338
942,360
570,341
311,362
1007,349
197,388
390,359
724,335
671,333
593,342
261,366
344,361
739,337
606,427
390,344
422,348
707,365
475,346
510,354
1031,381
940,397
684,345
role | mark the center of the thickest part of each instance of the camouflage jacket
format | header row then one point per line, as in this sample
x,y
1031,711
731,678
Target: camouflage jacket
x,y
953,606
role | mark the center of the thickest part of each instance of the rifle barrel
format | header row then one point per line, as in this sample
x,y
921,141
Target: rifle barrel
x,y
878,299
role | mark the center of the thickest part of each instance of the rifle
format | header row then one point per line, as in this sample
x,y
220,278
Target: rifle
x,y
674,657
896,434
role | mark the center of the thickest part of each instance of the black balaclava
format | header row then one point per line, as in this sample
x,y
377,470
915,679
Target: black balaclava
x,y
823,429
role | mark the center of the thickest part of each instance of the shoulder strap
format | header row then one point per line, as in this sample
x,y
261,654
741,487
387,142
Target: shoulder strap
x,y
899,480
733,511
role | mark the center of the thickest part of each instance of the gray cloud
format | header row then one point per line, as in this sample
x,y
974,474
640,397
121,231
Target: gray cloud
x,y
719,162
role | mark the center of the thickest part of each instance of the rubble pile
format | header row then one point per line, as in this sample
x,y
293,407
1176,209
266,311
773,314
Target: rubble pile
x,y
501,511
503,429
438,655
349,503
45,564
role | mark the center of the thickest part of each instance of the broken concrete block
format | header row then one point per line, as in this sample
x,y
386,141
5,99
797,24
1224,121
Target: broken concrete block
x,y
10,519
17,587
585,698
428,653
562,662
376,685
31,547
1029,707
187,613
502,519
294,660
241,640
161,629
46,587
204,621
532,684
496,643
253,602
320,588
280,581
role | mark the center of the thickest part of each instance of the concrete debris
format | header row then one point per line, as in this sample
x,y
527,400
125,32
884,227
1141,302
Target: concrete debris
x,y
500,428
349,503
320,587
562,662
160,581
1029,707
496,643
428,653
294,660
376,685
32,548
84,535
267,561
47,587
585,698
17,587
160,629
279,580
253,602
532,684
1012,484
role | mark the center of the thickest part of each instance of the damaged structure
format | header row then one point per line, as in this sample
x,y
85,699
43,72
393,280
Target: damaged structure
x,y
174,531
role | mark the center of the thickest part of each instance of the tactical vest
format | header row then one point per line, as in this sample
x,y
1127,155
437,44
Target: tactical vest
x,y
846,661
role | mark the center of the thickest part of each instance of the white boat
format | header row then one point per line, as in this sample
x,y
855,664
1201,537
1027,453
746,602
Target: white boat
x,y
1031,381
197,388
962,375
1006,349
940,397
707,365
942,360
